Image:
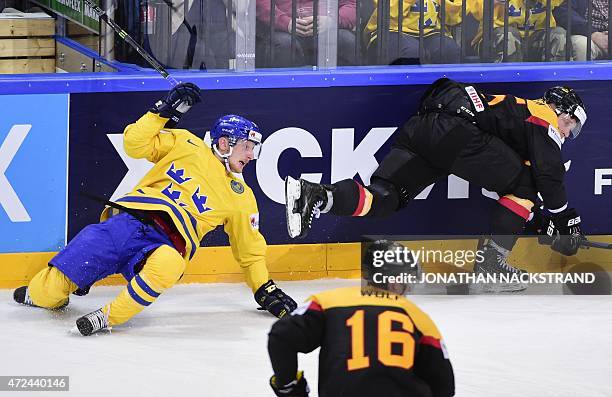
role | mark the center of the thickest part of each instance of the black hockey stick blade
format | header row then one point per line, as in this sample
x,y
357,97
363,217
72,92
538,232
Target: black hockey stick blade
x,y
128,39
595,244
584,243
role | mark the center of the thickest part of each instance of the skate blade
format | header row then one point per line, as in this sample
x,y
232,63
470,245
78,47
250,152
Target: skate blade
x,y
512,288
475,289
75,331
293,191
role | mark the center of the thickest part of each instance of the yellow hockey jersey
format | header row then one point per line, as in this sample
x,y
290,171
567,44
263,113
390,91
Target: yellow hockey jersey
x,y
536,19
194,188
411,13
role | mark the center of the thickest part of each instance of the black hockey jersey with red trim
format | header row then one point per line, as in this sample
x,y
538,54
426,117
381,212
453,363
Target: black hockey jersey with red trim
x,y
529,127
372,344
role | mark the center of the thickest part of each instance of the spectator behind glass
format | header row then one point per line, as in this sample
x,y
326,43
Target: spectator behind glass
x,y
435,49
202,39
304,47
580,27
526,41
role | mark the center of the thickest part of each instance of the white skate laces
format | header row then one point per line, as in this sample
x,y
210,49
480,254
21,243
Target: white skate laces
x,y
502,254
495,263
92,323
304,201
502,261
316,211
27,300
98,320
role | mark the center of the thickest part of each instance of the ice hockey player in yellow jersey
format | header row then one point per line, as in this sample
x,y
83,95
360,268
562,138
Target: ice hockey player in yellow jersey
x,y
150,234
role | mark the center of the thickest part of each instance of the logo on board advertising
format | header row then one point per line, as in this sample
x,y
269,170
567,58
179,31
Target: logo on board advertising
x,y
33,181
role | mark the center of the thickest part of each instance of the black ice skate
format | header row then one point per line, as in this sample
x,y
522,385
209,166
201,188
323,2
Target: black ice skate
x,y
495,262
92,323
21,295
303,201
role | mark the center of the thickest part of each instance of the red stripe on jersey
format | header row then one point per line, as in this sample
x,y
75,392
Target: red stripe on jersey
x,y
538,121
315,306
361,200
431,341
514,207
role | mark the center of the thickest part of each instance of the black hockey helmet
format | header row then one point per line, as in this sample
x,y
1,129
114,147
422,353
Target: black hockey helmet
x,y
567,101
388,258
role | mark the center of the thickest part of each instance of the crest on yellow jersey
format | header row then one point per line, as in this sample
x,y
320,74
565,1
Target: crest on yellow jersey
x,y
237,187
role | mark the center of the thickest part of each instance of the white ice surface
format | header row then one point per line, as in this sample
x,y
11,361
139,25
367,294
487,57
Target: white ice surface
x,y
208,340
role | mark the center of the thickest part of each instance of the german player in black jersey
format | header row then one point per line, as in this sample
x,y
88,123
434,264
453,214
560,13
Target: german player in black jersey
x,y
374,341
503,143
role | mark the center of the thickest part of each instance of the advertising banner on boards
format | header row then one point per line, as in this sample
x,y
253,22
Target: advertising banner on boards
x,y
327,134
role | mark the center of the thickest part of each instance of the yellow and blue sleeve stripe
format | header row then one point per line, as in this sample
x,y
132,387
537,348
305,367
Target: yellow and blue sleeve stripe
x,y
141,292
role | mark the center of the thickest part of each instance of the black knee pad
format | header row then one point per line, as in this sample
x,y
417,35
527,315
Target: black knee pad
x,y
407,173
386,198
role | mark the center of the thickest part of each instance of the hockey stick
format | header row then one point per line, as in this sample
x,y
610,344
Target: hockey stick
x,y
595,244
145,217
584,243
128,39
172,6
140,215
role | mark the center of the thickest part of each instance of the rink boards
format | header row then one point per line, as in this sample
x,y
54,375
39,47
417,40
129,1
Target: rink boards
x,y
61,136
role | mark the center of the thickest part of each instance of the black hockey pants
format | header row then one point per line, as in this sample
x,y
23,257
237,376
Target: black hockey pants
x,y
434,145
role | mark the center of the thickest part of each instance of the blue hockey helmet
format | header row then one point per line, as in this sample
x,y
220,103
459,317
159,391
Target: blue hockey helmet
x,y
236,128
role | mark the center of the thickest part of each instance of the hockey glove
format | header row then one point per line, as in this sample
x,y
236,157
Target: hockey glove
x,y
564,230
538,225
178,101
295,388
274,300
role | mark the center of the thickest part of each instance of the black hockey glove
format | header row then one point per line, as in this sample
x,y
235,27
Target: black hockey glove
x,y
178,101
564,230
274,300
296,388
538,222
